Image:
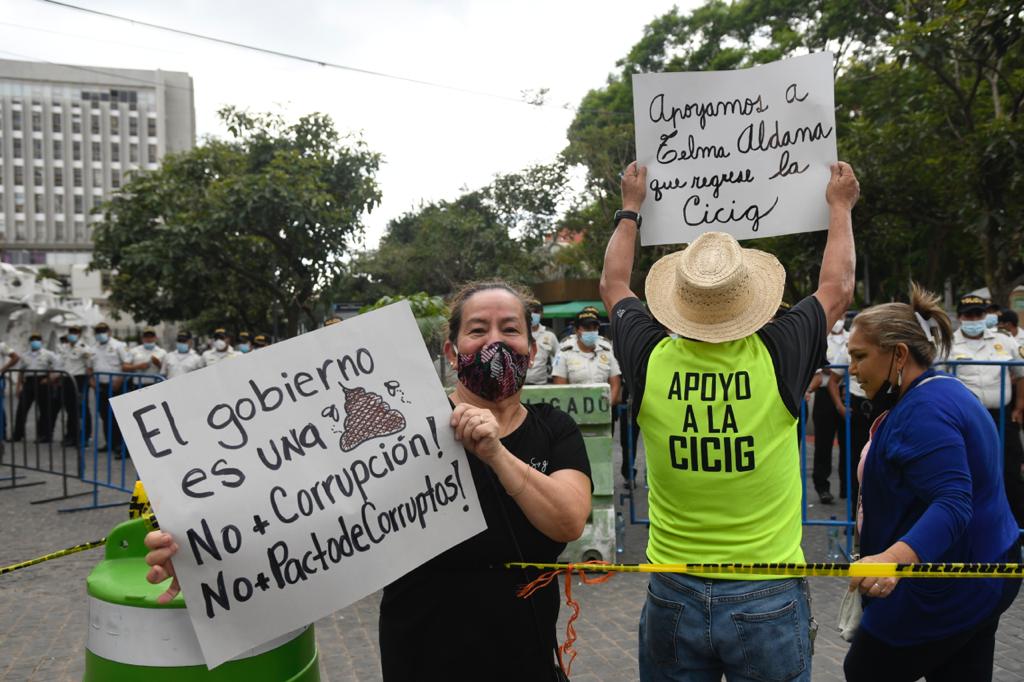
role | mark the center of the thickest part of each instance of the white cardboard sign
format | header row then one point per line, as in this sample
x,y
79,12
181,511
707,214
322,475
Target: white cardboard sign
x,y
745,152
301,477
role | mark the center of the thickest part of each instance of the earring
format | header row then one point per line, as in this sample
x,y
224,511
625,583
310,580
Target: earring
x,y
899,378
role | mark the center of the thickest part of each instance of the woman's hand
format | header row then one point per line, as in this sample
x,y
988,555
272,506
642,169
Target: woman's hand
x,y
876,587
161,548
477,430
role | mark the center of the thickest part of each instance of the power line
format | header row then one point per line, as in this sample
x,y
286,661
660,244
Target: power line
x,y
286,55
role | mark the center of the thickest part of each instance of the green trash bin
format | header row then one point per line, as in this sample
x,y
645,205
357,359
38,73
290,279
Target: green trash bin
x,y
131,637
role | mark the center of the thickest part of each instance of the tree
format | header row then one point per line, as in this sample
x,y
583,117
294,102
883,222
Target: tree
x,y
237,229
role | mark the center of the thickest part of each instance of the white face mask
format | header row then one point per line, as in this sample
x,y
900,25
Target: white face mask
x,y
219,345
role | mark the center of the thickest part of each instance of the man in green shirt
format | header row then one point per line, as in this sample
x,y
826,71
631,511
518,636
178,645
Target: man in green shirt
x,y
718,411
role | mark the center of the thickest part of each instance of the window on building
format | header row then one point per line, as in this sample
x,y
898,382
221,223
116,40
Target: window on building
x,y
133,153
94,123
133,126
76,122
19,202
58,231
96,151
17,147
58,203
58,150
19,231
115,178
115,152
79,231
57,121
19,175
37,149
58,177
115,125
97,177
97,199
16,120
77,172
37,176
79,207
76,151
151,126
37,203
37,121
151,153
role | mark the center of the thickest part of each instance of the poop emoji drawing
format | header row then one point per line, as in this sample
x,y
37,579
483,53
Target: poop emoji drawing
x,y
367,416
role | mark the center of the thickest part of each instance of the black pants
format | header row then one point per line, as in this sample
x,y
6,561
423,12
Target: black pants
x,y
68,396
110,431
34,389
860,427
963,657
826,425
1013,454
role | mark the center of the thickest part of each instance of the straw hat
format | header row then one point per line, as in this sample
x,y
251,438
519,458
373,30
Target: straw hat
x,y
714,290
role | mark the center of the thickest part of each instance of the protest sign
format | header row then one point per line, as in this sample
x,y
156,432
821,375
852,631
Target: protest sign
x,y
301,477
745,152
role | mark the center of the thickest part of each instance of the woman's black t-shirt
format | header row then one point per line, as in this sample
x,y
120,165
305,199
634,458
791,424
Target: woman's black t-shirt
x,y
457,616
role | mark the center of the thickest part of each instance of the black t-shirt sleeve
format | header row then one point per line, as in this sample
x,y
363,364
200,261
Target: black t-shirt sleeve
x,y
567,448
634,335
796,343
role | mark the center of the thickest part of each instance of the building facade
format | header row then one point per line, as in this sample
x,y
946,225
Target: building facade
x,y
71,136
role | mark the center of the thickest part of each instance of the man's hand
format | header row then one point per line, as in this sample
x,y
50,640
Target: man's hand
x,y
162,549
843,189
634,186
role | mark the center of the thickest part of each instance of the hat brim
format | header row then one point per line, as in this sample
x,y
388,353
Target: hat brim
x,y
767,285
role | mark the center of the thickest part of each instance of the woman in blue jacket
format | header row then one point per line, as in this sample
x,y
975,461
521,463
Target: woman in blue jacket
x,y
932,491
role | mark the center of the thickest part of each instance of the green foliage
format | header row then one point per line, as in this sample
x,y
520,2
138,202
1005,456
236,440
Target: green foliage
x,y
929,99
430,312
237,231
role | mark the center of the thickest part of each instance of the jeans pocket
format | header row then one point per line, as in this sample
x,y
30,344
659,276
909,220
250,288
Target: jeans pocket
x,y
658,625
772,643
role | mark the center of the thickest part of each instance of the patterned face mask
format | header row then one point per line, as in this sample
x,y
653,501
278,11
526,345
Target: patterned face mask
x,y
494,372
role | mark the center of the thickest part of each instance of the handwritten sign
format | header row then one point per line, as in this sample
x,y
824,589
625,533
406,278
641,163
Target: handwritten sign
x,y
745,152
301,477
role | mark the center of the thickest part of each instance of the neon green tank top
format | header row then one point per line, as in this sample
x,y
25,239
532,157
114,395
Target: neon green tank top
x,y
722,459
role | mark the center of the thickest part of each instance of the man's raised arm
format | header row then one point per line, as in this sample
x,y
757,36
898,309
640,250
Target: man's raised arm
x,y
618,257
839,263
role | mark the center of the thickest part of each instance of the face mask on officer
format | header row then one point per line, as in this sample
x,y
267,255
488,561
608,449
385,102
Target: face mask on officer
x,y
182,347
991,320
35,344
589,338
219,345
72,338
148,345
102,337
534,319
973,328
243,348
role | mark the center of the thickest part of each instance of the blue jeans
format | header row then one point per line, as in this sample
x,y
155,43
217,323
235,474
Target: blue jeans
x,y
696,630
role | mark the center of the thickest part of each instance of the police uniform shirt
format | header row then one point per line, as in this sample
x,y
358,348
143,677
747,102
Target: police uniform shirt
x,y
176,364
983,380
41,359
139,354
5,352
547,348
835,347
580,367
843,358
110,357
213,356
75,357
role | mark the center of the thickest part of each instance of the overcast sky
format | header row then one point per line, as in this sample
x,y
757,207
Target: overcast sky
x,y
435,141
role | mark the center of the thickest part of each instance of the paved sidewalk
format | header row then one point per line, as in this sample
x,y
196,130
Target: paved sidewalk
x,y
43,608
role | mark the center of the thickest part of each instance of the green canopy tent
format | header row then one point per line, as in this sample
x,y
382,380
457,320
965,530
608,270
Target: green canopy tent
x,y
572,309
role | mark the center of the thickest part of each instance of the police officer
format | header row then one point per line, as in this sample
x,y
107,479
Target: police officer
x,y
76,361
32,387
826,418
260,341
586,358
221,350
110,358
547,347
994,385
148,356
860,426
1009,323
183,360
244,343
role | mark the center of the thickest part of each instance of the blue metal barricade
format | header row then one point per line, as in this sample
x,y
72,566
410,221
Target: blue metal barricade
x,y
106,462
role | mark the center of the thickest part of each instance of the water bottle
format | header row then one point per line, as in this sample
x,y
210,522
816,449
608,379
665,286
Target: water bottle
x,y
620,533
833,554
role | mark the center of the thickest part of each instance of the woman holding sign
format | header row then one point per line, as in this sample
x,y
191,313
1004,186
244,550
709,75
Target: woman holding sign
x,y
457,616
932,491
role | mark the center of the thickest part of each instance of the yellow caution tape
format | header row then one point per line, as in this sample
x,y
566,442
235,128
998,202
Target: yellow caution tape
x,y
833,570
138,507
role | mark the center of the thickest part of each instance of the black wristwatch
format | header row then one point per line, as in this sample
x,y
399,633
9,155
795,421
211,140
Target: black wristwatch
x,y
628,215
